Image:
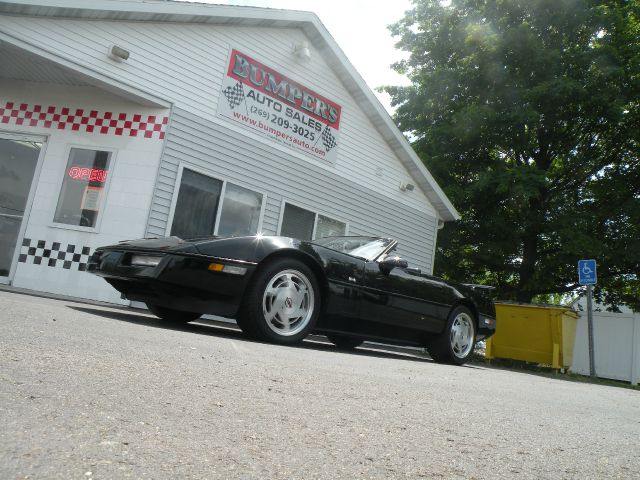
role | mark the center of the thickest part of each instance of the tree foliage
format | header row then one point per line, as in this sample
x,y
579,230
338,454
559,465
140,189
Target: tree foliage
x,y
527,113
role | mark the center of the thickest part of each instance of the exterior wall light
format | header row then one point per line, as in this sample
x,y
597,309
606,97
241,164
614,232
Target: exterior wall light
x,y
406,187
118,53
302,51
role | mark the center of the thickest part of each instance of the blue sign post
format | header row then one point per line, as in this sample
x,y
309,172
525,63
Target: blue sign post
x,y
587,272
587,276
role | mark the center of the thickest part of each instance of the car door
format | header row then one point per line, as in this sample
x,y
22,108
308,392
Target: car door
x,y
343,303
403,298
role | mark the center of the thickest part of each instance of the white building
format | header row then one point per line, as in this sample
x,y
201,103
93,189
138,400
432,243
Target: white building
x,y
125,119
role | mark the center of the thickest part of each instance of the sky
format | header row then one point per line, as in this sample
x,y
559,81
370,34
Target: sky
x,y
360,29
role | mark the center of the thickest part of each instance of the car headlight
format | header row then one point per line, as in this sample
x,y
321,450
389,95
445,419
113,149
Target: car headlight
x,y
145,260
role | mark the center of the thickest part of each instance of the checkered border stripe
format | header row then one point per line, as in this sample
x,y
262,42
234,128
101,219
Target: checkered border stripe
x,y
82,120
54,254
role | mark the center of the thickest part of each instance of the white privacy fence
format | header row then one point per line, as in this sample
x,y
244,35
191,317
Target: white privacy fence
x,y
616,346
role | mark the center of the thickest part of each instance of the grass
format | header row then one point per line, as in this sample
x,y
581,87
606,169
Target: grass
x,y
546,371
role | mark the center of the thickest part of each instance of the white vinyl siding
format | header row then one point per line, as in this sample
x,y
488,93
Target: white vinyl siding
x,y
184,63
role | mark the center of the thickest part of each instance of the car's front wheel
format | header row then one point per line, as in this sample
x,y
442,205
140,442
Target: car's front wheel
x,y
282,304
456,343
172,315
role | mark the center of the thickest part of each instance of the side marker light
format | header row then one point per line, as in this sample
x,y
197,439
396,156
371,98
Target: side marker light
x,y
232,269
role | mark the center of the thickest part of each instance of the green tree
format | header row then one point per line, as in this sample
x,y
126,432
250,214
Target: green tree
x,y
527,113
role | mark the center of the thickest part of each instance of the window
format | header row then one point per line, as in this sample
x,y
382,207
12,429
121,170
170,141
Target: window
x,y
240,212
197,205
83,187
206,205
306,225
328,227
297,222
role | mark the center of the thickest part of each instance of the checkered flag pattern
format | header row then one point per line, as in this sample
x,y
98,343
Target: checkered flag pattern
x,y
82,120
328,140
235,95
54,254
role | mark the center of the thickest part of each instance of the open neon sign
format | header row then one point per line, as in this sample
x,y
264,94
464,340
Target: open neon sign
x,y
90,174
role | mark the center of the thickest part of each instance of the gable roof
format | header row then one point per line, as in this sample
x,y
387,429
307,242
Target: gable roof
x,y
177,12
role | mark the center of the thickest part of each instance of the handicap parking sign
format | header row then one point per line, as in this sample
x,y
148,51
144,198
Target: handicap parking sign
x,y
587,272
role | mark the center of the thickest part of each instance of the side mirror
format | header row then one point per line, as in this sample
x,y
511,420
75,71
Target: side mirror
x,y
389,263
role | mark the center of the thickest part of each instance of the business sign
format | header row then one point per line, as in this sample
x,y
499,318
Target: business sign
x,y
88,174
587,272
265,101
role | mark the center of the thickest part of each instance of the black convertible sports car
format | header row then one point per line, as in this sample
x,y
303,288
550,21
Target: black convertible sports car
x,y
281,289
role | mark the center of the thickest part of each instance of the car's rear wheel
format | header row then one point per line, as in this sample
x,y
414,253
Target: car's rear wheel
x,y
282,304
456,343
171,315
344,342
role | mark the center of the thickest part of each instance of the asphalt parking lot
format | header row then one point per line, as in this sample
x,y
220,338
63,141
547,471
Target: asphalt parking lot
x,y
95,392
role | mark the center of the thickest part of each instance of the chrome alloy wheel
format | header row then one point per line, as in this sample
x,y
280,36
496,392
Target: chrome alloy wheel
x,y
462,335
288,302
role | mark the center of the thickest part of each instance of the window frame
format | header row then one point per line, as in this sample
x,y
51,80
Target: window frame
x,y
223,190
112,159
315,212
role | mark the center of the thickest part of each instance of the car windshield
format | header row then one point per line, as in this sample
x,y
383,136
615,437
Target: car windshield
x,y
367,248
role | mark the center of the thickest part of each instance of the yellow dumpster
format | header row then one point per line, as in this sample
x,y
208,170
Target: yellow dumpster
x,y
533,333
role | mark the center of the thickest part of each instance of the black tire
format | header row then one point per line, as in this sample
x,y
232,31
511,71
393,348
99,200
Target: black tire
x,y
171,315
279,291
455,344
344,342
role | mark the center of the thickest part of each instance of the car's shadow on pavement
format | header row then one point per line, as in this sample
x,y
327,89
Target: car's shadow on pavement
x,y
231,331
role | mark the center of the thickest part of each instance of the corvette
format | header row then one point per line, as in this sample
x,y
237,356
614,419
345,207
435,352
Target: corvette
x,y
281,289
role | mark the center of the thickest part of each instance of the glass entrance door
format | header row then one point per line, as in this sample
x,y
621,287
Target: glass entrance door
x,y
18,162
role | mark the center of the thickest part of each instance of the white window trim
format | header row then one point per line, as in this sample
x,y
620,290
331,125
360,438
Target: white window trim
x,y
223,191
315,220
105,195
224,180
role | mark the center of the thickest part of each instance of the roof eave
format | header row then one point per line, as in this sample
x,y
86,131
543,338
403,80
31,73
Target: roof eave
x,y
151,10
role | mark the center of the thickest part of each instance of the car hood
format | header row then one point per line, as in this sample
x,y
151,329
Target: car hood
x,y
165,243
161,244
251,249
